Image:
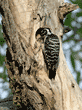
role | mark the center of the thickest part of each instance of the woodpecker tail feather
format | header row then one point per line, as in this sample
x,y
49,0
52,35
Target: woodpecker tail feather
x,y
52,73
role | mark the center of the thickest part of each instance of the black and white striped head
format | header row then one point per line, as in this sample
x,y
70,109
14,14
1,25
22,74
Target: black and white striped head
x,y
43,31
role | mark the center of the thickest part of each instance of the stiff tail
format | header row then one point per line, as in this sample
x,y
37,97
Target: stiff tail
x,y
52,73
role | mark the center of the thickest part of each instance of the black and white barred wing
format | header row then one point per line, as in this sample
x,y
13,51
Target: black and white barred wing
x,y
51,51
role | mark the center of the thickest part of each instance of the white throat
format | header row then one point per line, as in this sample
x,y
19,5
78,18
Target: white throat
x,y
48,32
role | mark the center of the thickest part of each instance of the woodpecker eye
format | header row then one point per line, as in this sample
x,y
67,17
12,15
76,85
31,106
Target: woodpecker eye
x,y
43,32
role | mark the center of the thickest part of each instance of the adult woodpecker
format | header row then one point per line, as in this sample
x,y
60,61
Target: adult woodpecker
x,y
50,50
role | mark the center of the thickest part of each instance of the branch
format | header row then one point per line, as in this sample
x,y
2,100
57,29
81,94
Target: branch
x,y
65,9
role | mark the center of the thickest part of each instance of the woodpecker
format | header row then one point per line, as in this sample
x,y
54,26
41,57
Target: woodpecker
x,y
50,50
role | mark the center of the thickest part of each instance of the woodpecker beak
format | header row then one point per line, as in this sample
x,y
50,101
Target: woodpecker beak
x,y
38,37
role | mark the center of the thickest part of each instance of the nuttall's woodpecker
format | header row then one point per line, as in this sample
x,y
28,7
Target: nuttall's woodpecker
x,y
50,50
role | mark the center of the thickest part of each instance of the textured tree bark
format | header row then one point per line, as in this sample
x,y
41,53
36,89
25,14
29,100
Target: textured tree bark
x,y
29,80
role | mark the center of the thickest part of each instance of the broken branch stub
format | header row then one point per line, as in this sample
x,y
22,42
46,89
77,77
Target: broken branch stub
x,y
65,9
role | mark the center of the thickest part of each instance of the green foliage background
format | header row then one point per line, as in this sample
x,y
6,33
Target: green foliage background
x,y
75,55
2,58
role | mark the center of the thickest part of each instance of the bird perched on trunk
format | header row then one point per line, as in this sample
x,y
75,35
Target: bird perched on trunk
x,y
50,50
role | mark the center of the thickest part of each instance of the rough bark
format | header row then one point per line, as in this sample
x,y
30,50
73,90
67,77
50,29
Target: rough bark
x,y
29,81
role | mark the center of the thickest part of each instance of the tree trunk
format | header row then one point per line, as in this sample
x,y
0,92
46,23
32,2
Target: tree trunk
x,y
29,80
